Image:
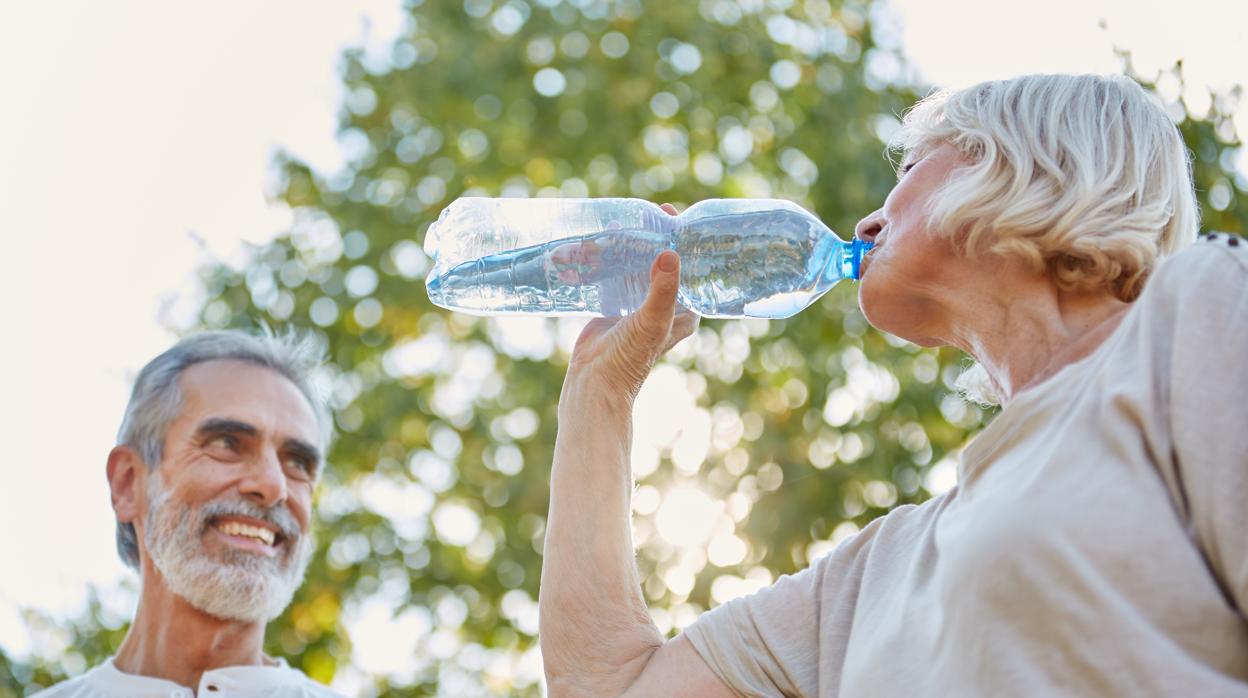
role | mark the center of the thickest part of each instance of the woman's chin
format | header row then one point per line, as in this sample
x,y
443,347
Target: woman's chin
x,y
872,301
883,312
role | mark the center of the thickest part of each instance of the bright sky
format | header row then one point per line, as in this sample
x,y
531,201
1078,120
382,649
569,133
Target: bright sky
x,y
133,127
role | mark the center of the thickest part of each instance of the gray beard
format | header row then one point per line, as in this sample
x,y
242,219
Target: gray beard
x,y
235,585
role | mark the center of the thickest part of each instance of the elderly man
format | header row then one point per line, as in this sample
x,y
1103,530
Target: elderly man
x,y
212,480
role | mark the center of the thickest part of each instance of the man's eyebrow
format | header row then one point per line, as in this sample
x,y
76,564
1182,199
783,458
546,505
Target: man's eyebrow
x,y
221,425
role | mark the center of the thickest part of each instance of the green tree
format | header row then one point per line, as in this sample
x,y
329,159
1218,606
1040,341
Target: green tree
x,y
796,432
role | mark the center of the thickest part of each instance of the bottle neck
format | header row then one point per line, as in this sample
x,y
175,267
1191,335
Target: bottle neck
x,y
845,262
857,250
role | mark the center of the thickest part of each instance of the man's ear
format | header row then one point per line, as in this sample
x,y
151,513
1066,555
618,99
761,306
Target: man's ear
x,y
126,474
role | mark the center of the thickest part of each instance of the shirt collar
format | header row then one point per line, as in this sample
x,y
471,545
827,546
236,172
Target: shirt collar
x,y
111,680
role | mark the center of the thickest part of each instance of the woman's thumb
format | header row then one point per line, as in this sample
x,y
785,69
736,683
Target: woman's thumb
x,y
655,314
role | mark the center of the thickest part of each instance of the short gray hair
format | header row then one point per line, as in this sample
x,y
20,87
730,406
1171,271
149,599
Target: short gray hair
x,y
1085,175
156,398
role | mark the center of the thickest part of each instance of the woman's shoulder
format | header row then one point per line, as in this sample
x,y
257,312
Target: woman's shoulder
x,y
1217,262
1206,463
1194,316
1196,299
1197,292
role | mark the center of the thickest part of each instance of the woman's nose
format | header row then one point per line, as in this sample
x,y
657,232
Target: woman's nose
x,y
870,226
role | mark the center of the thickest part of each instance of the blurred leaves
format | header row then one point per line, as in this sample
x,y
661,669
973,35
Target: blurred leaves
x,y
760,444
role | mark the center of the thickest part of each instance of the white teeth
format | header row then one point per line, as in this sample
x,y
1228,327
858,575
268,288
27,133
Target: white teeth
x,y
235,528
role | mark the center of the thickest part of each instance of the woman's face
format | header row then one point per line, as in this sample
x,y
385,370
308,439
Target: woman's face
x,y
909,277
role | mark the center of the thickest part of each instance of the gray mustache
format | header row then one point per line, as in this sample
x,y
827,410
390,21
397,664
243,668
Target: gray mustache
x,y
279,516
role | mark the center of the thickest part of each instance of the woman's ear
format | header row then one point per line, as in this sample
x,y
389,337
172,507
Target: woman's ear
x,y
126,473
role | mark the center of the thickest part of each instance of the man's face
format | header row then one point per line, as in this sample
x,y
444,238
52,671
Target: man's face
x,y
228,508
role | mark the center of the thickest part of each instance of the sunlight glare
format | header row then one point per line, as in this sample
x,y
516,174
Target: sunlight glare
x,y
456,524
726,550
687,517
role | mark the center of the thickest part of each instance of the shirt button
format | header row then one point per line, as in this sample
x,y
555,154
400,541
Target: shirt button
x,y
213,688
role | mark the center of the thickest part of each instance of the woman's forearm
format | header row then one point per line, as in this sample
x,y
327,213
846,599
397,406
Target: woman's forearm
x,y
596,631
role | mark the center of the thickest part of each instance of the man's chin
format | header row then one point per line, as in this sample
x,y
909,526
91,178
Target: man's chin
x,y
231,584
235,592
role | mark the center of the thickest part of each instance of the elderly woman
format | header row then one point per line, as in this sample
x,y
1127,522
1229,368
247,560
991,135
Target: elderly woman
x,y
1096,541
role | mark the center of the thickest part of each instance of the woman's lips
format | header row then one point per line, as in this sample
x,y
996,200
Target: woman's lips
x,y
868,255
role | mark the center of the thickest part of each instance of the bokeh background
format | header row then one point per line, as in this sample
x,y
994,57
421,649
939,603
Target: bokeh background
x,y
169,167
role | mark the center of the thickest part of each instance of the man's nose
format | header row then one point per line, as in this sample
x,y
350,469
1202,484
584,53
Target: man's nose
x,y
870,226
265,481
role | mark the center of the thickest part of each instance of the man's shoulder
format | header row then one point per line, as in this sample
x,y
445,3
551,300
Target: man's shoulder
x,y
102,682
77,687
311,687
279,680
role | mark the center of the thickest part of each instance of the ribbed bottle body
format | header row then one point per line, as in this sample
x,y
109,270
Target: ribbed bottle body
x,y
740,257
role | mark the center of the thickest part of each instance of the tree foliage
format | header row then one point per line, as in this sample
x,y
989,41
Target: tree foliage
x,y
759,443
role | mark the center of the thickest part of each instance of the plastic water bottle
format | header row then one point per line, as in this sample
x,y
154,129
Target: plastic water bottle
x,y
763,258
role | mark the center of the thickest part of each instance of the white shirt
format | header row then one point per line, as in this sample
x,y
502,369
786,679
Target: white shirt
x,y
107,681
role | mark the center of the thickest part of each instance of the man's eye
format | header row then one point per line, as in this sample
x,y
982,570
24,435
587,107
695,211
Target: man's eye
x,y
301,463
224,441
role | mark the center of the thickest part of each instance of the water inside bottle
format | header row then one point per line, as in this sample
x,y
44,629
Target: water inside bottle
x,y
769,264
604,273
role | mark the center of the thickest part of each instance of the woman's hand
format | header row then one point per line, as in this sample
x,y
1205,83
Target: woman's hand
x,y
616,354
597,636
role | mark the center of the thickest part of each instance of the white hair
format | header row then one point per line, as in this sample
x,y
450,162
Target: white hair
x,y
156,398
1082,176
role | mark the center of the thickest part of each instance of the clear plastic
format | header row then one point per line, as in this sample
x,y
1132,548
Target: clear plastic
x,y
763,258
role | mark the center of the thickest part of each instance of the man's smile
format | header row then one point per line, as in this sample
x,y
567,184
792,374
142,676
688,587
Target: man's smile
x,y
248,534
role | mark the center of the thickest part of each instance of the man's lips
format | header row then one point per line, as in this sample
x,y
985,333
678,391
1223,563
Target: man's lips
x,y
248,533
251,545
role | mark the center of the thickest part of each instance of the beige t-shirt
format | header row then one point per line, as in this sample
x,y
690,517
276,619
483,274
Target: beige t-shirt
x,y
1096,543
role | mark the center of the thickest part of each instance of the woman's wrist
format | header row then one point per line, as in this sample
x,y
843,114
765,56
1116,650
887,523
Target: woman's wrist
x,y
588,396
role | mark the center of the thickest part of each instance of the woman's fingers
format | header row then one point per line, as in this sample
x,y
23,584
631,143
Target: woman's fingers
x,y
641,338
684,324
623,351
685,321
656,312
